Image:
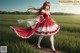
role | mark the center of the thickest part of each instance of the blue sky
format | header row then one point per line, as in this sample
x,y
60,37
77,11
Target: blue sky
x,y
23,5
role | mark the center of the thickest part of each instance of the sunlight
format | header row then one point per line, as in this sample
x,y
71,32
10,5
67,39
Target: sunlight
x,y
77,12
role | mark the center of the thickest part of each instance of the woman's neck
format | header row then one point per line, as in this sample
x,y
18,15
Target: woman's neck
x,y
46,10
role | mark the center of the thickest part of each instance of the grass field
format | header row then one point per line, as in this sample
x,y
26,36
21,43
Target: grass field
x,y
67,39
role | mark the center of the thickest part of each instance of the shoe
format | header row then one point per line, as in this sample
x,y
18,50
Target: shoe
x,y
54,51
38,46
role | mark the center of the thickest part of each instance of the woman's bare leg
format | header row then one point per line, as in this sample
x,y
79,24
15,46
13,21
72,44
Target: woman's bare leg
x,y
39,41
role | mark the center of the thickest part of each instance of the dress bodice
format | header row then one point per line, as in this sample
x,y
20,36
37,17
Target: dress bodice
x,y
45,14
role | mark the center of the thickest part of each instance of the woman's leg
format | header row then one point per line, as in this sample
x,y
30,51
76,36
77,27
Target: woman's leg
x,y
39,41
52,42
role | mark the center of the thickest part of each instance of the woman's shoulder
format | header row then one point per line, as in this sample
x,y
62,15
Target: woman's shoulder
x,y
43,11
47,12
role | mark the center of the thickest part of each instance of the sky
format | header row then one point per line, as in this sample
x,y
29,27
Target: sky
x,y
23,5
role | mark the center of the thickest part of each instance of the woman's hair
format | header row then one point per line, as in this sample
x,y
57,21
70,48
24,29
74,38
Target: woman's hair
x,y
46,3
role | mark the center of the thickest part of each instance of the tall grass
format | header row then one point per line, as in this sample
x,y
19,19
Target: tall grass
x,y
67,39
19,47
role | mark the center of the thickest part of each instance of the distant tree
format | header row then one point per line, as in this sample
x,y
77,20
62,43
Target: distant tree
x,y
33,13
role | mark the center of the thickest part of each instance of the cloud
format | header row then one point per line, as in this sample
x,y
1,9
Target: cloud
x,y
14,9
3,9
60,3
53,4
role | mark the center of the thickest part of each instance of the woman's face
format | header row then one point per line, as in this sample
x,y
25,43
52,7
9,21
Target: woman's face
x,y
47,7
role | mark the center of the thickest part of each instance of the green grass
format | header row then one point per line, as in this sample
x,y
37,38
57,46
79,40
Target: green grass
x,y
19,47
67,39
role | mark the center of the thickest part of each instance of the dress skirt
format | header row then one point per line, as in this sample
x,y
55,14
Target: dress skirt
x,y
40,26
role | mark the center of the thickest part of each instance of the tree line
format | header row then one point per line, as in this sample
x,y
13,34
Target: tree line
x,y
29,13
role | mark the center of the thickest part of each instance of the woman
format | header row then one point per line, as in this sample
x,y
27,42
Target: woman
x,y
43,26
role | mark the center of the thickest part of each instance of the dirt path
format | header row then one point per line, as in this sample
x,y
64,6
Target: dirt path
x,y
45,50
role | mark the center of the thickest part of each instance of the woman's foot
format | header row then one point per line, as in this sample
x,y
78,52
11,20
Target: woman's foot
x,y
54,51
38,46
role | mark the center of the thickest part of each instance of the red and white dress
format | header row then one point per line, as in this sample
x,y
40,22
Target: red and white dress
x,y
43,25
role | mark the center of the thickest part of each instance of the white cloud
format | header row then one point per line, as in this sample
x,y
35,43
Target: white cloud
x,y
60,3
14,9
